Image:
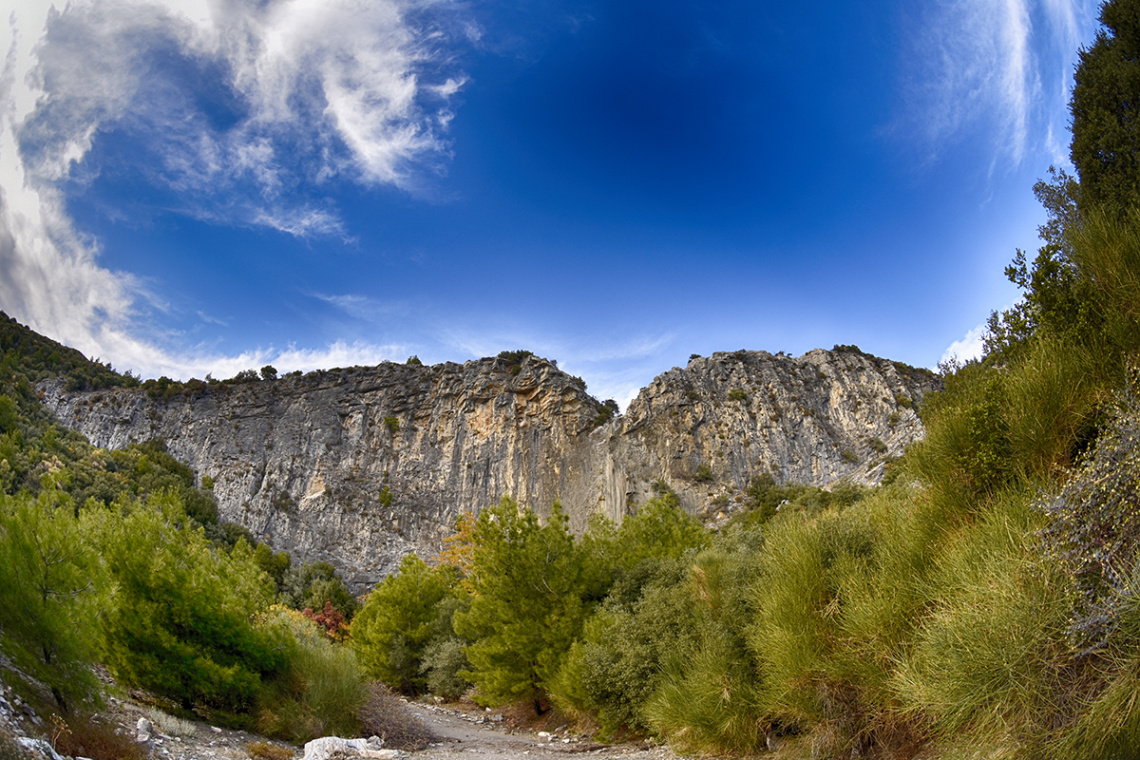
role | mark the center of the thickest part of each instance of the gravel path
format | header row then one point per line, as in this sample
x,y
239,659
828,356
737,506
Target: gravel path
x,y
467,737
470,734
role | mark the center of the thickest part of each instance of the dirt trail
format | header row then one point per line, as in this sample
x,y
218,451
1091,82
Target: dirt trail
x,y
463,737
470,734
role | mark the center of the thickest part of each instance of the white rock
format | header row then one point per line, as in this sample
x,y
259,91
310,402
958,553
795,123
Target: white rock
x,y
328,747
38,747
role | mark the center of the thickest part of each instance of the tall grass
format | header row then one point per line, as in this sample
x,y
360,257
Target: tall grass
x,y
992,657
1106,248
839,599
707,700
322,689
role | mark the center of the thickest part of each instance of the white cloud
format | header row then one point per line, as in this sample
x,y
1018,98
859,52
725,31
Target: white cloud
x,y
221,366
967,348
236,113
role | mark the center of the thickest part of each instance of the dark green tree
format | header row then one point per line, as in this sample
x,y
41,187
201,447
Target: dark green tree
x,y
1106,110
50,578
396,624
1056,297
532,588
180,621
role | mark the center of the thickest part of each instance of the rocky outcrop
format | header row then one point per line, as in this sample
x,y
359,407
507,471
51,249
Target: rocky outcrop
x,y
360,466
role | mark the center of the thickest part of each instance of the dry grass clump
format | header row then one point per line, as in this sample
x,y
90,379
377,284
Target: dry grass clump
x,y
385,715
169,724
267,751
83,737
10,749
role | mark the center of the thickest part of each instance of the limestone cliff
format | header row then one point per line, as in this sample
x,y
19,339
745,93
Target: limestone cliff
x,y
360,466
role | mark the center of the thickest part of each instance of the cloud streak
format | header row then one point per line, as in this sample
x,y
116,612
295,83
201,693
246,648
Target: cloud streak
x,y
999,66
231,112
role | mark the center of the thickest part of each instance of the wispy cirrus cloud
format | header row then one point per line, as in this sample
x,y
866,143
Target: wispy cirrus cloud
x,y
361,307
231,112
999,67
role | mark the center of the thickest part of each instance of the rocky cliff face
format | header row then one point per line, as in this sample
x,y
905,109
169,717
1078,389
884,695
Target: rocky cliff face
x,y
360,466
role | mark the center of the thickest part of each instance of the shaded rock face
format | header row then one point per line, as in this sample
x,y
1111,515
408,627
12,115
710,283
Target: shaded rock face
x,y
358,467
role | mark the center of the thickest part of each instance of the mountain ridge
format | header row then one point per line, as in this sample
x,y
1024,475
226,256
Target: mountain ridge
x,y
359,466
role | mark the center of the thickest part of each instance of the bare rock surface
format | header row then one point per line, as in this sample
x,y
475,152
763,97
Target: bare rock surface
x,y
361,466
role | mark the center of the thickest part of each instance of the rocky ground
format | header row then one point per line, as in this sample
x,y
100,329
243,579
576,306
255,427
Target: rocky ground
x,y
467,734
453,732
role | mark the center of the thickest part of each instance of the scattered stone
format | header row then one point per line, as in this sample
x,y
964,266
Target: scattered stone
x,y
336,748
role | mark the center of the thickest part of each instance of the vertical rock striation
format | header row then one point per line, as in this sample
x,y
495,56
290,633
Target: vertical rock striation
x,y
360,466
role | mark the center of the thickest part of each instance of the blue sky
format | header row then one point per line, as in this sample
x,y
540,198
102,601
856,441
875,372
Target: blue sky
x,y
205,186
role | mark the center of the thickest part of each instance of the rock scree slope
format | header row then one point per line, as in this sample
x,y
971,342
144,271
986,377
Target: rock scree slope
x,y
360,466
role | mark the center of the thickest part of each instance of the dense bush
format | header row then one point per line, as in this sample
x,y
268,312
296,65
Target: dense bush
x,y
400,620
50,578
532,589
1095,529
318,689
180,613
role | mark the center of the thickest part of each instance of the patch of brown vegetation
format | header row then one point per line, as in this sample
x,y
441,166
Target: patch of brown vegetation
x,y
385,715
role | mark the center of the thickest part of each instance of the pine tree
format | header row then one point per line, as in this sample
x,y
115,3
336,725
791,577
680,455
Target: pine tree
x,y
532,588
397,622
1106,110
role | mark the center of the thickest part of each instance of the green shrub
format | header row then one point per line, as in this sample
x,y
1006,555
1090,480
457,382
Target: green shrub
x,y
1094,528
320,689
50,582
707,696
991,658
703,474
707,704
443,661
661,529
179,619
392,423
310,585
619,660
532,589
737,394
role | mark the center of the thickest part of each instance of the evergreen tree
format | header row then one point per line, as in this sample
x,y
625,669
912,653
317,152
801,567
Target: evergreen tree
x,y
397,623
50,579
1106,110
181,616
532,588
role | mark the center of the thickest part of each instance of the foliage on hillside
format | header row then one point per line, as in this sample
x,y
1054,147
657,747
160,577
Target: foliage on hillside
x,y
982,603
118,557
985,602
